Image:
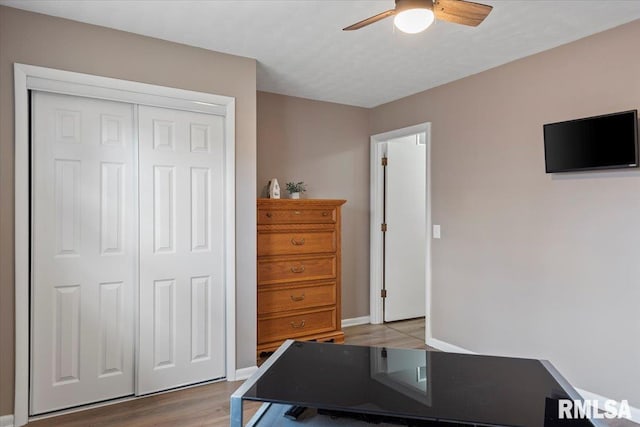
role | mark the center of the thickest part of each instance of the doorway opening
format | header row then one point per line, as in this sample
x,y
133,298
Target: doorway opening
x,y
400,225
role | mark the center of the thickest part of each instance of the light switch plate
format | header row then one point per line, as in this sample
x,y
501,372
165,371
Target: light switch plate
x,y
436,231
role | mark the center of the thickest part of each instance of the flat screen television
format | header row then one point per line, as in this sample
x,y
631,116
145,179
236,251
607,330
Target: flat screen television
x,y
602,142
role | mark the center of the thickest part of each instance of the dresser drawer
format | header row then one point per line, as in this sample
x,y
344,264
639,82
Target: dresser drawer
x,y
292,243
296,325
287,269
296,216
295,297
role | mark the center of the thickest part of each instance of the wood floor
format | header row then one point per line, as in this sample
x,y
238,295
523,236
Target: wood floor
x,y
405,334
208,405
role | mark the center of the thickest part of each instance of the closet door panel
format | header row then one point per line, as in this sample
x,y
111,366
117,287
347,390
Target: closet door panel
x,y
181,248
83,251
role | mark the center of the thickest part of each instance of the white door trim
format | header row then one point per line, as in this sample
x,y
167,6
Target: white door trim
x,y
376,184
27,77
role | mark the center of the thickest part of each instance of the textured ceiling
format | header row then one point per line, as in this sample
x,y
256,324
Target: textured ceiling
x,y
301,50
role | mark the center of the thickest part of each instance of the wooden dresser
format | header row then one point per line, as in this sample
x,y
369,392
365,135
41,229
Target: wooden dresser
x,y
298,271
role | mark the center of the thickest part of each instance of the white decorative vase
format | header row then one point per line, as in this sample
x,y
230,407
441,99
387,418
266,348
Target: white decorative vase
x,y
295,195
274,189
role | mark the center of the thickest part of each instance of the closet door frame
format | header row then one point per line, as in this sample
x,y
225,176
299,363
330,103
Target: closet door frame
x,y
29,77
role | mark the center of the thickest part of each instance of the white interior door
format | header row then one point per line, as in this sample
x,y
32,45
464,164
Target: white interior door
x,y
406,236
181,248
83,251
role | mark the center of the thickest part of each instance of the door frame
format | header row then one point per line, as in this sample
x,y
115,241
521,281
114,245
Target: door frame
x,y
376,215
29,77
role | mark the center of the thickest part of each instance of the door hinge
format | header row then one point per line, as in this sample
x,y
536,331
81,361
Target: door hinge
x,y
383,293
385,161
383,227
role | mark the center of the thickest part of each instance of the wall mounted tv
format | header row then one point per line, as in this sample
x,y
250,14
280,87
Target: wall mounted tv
x,y
601,142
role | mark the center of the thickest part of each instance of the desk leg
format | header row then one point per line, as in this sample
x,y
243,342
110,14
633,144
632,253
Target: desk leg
x,y
236,397
236,412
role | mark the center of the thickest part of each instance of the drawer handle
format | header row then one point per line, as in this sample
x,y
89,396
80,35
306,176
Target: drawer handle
x,y
268,214
300,298
297,269
295,325
325,213
296,212
295,242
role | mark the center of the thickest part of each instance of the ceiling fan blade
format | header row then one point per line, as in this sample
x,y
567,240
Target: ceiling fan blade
x,y
461,12
370,20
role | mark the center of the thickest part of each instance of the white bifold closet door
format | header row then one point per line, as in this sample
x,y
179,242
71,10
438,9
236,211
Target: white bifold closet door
x,y
120,245
83,251
181,248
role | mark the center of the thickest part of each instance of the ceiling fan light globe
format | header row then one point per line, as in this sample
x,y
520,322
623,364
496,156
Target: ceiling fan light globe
x,y
413,21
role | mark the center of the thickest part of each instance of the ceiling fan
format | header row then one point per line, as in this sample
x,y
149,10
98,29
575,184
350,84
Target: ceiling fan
x,y
413,16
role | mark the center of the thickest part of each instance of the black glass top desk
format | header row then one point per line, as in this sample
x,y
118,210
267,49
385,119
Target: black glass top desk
x,y
377,384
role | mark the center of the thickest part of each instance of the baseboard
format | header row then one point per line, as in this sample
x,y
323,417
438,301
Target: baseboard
x,y
6,420
244,373
364,320
445,346
587,395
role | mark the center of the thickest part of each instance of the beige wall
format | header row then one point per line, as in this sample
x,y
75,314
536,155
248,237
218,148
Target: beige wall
x,y
533,264
325,145
57,43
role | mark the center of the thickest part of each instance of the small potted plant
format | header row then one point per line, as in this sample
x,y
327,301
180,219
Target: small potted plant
x,y
295,188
